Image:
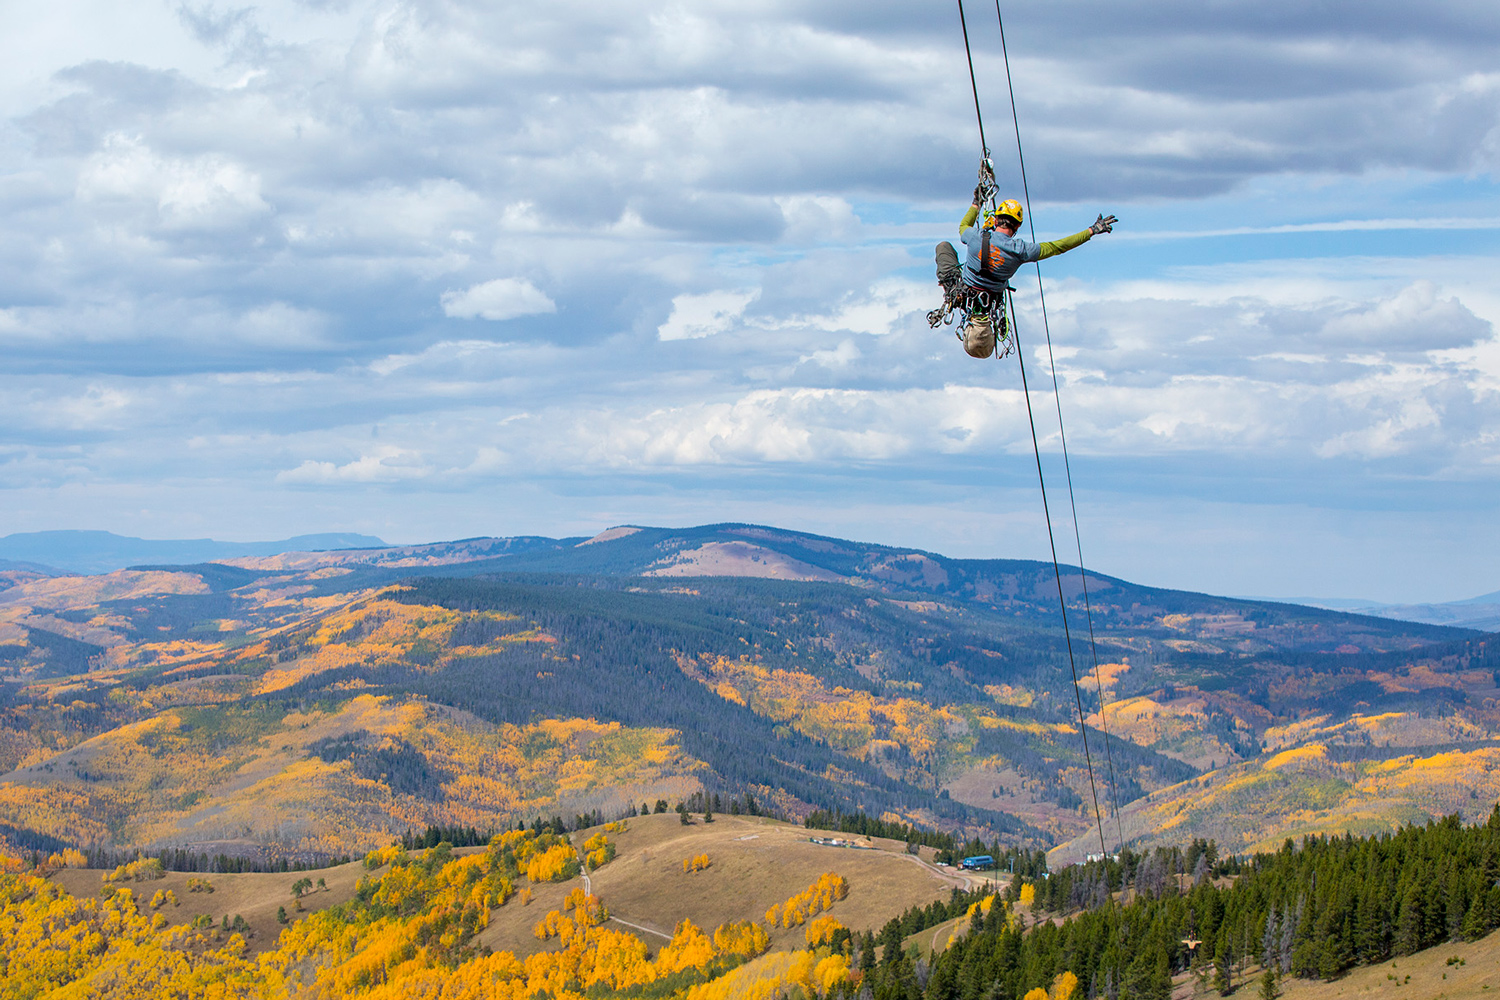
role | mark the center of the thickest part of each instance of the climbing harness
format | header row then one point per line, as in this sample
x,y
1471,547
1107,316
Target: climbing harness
x,y
1013,342
966,305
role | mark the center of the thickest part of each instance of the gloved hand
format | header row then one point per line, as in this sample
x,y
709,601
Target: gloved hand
x,y
979,194
1103,224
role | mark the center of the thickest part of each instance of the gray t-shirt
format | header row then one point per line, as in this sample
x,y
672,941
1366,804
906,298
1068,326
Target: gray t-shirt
x,y
1007,254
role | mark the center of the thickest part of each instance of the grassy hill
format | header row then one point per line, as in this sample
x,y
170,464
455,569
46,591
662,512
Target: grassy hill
x,y
1462,970
254,897
755,863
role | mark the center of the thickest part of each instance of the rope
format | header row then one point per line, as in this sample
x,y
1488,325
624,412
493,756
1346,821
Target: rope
x,y
1063,434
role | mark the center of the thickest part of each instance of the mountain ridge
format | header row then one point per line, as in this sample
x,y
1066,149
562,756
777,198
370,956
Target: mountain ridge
x,y
105,551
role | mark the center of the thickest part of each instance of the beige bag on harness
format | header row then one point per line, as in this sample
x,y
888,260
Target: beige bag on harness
x,y
979,337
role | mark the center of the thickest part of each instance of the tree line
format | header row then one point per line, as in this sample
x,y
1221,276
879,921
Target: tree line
x,y
179,859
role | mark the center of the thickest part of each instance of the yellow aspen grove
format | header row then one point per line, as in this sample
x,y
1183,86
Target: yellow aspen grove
x,y
819,931
409,930
816,898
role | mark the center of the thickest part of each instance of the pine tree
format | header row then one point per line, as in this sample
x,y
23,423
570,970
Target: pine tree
x,y
1268,990
1409,922
1222,982
1474,921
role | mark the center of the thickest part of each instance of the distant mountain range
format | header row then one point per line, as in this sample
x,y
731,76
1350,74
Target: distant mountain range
x,y
1482,612
104,551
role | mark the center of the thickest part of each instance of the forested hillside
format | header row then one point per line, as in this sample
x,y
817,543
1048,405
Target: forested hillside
x,y
324,702
1309,911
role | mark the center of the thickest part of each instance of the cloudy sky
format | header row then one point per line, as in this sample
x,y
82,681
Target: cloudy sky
x,y
436,269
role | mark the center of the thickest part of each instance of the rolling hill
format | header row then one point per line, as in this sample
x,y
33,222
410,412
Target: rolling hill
x,y
758,908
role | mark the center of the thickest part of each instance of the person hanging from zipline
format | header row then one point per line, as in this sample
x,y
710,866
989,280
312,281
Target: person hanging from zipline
x,y
995,252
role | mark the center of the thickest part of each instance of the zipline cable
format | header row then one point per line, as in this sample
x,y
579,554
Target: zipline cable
x,y
973,84
1036,448
1057,572
1041,479
1063,435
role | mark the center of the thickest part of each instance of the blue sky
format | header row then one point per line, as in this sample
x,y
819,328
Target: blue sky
x,y
439,269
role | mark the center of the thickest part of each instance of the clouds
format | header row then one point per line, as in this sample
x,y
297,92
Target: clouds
x,y
207,192
338,250
1217,373
382,465
696,316
500,299
1415,318
391,153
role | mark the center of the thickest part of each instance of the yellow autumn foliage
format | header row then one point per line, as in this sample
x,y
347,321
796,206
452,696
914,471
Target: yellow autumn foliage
x,y
555,864
745,939
171,783
821,930
774,975
54,945
142,870
374,630
808,903
859,723
1064,986
68,857
598,850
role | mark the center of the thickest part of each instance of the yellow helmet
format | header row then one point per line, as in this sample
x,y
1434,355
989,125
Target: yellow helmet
x,y
1007,209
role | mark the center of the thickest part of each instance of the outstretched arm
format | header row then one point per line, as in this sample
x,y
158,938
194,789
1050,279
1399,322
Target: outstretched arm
x,y
1104,224
1054,247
